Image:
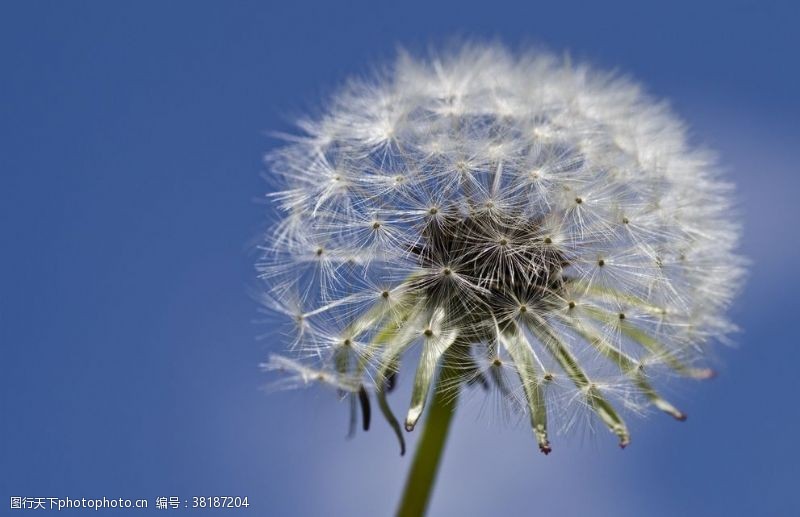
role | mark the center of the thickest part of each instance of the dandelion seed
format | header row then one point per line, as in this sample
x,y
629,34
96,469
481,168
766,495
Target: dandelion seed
x,y
518,213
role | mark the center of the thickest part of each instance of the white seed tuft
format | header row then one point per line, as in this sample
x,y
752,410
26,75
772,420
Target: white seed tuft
x,y
513,213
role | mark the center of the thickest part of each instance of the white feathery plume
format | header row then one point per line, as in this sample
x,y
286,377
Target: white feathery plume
x,y
545,225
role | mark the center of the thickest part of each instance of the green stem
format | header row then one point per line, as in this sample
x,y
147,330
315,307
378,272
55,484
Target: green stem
x,y
422,475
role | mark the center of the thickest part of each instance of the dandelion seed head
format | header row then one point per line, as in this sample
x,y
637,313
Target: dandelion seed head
x,y
522,214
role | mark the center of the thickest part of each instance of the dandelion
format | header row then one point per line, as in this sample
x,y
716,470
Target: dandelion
x,y
516,222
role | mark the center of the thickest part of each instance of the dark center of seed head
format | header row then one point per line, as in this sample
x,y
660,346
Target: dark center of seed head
x,y
428,332
533,274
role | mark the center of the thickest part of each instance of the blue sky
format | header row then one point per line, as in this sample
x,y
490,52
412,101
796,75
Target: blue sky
x,y
131,138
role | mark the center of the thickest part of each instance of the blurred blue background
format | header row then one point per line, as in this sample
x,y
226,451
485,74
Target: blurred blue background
x,y
131,138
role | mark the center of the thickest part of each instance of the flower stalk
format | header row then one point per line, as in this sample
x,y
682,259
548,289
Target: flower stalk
x,y
422,474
